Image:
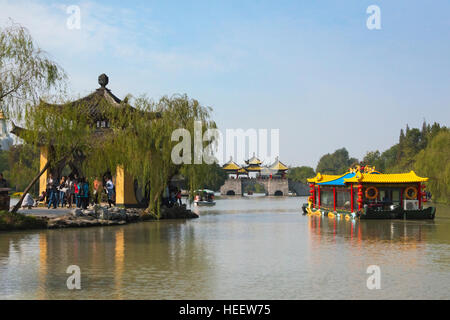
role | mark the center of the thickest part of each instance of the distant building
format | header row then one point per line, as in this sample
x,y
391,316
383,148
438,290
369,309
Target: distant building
x,y
5,140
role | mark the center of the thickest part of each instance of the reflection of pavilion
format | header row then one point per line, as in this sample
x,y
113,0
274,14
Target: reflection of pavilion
x,y
93,107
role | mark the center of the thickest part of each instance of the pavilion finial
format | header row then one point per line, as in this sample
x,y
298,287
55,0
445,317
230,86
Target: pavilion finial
x,y
103,80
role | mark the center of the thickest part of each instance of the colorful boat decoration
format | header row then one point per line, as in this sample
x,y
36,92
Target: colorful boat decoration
x,y
365,193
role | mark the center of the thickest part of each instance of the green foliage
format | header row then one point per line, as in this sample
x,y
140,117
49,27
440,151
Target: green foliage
x,y
434,162
25,71
4,164
256,188
335,163
212,177
23,161
18,221
135,140
301,173
425,151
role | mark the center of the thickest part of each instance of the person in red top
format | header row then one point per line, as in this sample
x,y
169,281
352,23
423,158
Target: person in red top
x,y
77,193
179,197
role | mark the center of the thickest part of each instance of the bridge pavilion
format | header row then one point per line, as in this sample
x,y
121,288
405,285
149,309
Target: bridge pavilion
x,y
253,167
278,169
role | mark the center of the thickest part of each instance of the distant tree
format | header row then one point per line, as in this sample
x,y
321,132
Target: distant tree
x,y
23,161
335,163
4,165
434,162
373,158
388,159
300,174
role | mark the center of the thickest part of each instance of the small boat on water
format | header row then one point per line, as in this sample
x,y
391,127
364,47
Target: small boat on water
x,y
365,193
204,198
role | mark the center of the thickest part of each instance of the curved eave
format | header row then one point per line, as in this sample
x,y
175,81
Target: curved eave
x,y
323,178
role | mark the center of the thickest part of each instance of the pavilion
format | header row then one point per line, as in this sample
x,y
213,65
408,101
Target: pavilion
x,y
253,165
278,169
91,106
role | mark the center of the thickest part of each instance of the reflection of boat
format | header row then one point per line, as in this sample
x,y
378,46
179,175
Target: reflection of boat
x,y
204,197
368,194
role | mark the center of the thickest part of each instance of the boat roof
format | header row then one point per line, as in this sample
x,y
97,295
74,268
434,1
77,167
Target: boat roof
x,y
204,190
367,176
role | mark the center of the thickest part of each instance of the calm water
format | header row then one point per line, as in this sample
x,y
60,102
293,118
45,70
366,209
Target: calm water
x,y
259,248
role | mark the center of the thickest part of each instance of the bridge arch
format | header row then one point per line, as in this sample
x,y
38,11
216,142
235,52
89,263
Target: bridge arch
x,y
278,193
231,193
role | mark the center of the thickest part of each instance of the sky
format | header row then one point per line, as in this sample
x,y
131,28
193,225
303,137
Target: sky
x,y
311,69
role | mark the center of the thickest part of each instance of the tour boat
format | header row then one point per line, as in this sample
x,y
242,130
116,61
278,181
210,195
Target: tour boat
x,y
204,198
365,193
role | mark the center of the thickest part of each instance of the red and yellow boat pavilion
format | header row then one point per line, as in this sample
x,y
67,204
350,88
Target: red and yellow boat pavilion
x,y
369,194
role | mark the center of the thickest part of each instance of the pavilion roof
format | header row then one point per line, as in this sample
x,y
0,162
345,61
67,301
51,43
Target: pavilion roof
x,y
371,176
253,161
93,104
409,177
231,166
278,166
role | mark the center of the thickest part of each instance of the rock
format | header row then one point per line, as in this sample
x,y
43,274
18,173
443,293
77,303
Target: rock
x,y
104,214
89,213
77,212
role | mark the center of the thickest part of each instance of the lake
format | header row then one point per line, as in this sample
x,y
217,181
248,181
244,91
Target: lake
x,y
243,248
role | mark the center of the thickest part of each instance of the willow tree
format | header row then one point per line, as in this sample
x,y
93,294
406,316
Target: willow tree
x,y
26,72
434,162
144,145
66,133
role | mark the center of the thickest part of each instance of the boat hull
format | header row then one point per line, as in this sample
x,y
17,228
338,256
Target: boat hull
x,y
428,213
205,203
370,214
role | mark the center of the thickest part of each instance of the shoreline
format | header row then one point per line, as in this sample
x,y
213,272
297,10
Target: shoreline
x,y
41,218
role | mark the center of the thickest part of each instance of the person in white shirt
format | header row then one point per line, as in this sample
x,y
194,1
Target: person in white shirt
x,y
28,201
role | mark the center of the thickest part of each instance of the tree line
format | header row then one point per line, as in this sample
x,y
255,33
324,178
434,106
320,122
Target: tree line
x,y
425,150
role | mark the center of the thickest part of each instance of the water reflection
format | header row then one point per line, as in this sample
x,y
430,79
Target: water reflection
x,y
242,248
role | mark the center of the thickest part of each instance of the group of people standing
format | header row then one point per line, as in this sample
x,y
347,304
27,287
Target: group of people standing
x,y
69,191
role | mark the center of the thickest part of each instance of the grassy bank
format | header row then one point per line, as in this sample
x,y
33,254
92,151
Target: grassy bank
x,y
17,221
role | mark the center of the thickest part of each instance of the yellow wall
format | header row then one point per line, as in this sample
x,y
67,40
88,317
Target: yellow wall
x,y
42,162
124,188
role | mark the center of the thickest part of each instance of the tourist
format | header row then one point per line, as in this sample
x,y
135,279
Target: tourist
x,y
28,201
84,194
53,193
76,186
70,194
3,182
41,198
62,191
110,192
179,197
97,184
49,188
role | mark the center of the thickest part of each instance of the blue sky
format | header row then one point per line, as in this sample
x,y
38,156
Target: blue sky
x,y
310,68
